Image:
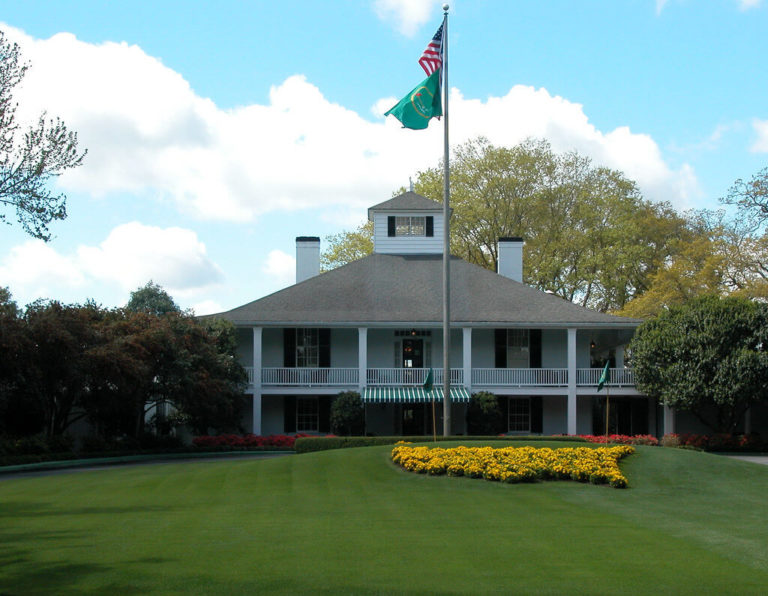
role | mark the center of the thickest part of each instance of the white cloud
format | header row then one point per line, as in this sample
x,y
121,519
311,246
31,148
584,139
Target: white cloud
x,y
281,266
761,144
148,132
207,307
407,15
35,270
527,112
130,256
743,4
133,254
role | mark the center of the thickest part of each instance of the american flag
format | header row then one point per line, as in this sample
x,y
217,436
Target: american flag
x,y
432,58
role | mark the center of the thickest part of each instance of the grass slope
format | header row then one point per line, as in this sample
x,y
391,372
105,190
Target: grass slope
x,y
349,522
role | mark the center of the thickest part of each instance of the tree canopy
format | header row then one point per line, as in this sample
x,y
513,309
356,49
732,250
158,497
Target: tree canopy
x,y
29,163
590,236
152,298
707,357
62,363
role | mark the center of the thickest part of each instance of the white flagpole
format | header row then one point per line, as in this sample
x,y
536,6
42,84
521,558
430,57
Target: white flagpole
x,y
446,242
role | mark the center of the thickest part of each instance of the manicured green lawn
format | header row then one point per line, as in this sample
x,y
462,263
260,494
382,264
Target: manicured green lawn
x,y
349,522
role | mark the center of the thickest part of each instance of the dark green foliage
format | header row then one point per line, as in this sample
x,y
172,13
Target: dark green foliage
x,y
152,298
484,415
348,414
62,363
707,357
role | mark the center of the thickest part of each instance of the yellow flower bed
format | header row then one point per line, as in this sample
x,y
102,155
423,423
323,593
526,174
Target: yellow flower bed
x,y
598,465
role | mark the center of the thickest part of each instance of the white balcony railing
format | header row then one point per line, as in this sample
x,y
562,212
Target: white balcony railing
x,y
309,377
619,377
410,376
499,377
520,377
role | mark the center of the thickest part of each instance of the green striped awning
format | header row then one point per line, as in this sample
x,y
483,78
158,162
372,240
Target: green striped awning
x,y
412,394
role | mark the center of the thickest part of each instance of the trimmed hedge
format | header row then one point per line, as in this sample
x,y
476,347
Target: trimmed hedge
x,y
38,458
310,444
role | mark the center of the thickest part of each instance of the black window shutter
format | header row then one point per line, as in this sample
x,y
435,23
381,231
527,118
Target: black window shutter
x,y
391,225
289,347
430,226
537,422
324,336
324,410
535,339
289,411
504,407
501,347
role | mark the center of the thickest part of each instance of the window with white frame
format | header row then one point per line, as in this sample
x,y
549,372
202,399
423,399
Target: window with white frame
x,y
519,414
307,414
307,348
518,348
410,226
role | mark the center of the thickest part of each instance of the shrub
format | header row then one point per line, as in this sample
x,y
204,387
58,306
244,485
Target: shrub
x,y
248,441
622,439
484,415
670,440
348,414
310,444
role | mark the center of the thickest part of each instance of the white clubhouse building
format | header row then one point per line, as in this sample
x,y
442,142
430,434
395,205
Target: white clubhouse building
x,y
375,326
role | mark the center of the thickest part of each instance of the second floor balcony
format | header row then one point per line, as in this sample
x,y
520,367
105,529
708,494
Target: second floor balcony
x,y
481,378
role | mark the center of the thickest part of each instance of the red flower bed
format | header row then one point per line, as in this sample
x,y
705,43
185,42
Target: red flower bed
x,y
622,439
718,442
246,441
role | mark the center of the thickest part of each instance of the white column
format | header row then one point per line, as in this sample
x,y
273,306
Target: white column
x,y
362,357
619,356
669,420
256,419
467,356
572,381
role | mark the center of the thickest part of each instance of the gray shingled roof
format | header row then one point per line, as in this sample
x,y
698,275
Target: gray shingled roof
x,y
383,288
408,201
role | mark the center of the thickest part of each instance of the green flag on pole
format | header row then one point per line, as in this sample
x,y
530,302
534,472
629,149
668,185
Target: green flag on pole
x,y
421,104
604,377
428,382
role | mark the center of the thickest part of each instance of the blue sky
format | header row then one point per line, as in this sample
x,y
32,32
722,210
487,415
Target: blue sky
x,y
218,132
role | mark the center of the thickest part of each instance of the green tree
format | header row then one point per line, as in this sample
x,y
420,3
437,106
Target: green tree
x,y
17,416
751,196
152,298
484,415
348,414
346,247
707,357
590,236
30,163
58,373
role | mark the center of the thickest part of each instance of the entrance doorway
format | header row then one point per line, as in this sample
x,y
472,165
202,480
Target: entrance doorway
x,y
627,416
413,353
417,419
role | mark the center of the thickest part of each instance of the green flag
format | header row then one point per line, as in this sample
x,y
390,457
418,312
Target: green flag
x,y
428,382
604,377
421,104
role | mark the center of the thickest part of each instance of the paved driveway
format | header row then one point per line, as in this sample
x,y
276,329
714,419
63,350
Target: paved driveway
x,y
758,459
